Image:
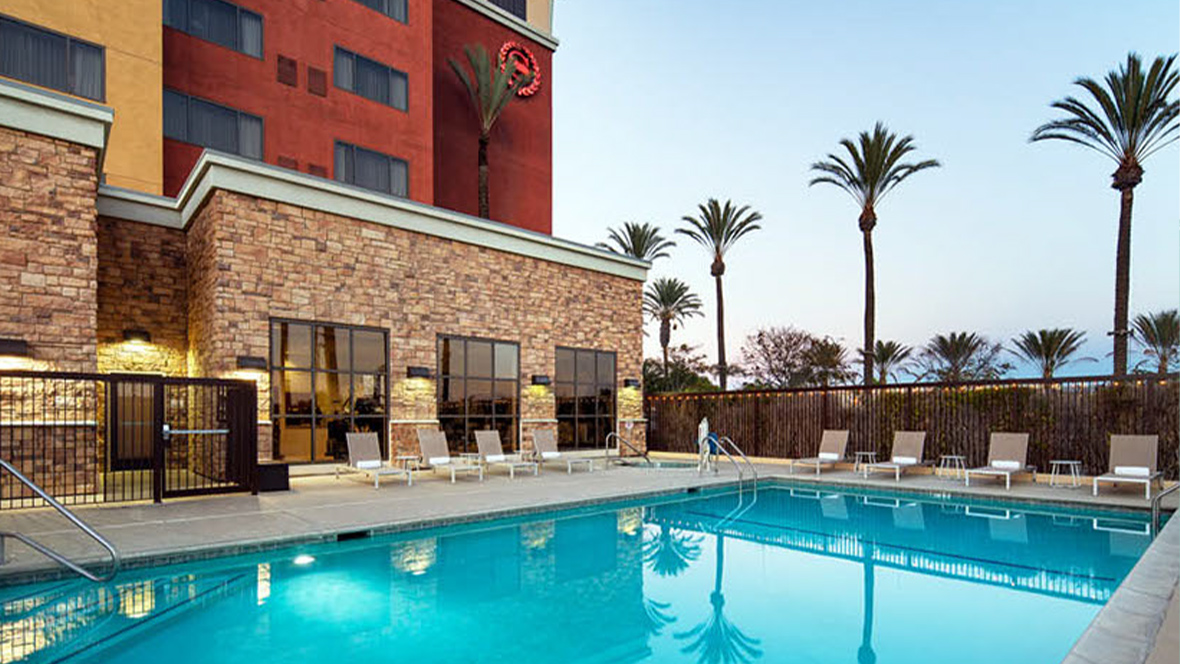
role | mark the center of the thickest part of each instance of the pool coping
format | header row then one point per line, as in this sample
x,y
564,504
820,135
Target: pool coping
x,y
1128,627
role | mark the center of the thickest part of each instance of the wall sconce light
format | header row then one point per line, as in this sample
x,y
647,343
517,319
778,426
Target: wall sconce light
x,y
541,379
14,348
417,372
137,335
631,382
251,363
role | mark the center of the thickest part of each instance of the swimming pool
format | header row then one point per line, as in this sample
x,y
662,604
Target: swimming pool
x,y
807,575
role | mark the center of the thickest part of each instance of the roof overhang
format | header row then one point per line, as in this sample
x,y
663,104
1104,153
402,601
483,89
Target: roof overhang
x,y
512,22
39,111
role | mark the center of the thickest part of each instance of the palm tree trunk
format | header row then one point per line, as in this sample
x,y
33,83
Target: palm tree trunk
x,y
870,308
722,368
1122,282
665,339
484,206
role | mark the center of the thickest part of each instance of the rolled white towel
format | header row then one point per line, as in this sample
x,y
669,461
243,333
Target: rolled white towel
x,y
550,455
368,465
829,456
438,461
905,460
1132,471
1006,465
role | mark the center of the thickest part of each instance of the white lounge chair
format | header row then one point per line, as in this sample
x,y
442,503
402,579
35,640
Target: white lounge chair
x,y
545,449
433,444
491,453
906,453
831,451
1007,455
1133,460
364,455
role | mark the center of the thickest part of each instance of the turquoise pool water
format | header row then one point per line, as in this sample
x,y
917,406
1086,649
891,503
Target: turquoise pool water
x,y
797,575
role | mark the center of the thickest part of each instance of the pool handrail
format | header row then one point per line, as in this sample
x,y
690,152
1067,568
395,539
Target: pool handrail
x,y
116,561
1155,508
623,441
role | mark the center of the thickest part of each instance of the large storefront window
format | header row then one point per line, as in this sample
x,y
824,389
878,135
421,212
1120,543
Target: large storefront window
x,y
584,386
478,388
326,380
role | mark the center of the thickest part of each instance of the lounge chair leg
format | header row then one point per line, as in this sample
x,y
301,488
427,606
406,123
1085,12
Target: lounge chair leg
x,y
1147,490
376,481
967,479
452,474
1007,482
409,477
1095,487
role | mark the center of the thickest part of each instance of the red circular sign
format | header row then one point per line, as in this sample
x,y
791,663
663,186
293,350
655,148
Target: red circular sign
x,y
522,63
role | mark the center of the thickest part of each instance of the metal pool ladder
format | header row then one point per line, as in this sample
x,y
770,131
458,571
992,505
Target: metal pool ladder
x,y
623,441
1155,508
50,553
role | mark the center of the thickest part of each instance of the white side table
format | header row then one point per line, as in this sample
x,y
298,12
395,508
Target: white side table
x,y
1058,467
863,458
954,463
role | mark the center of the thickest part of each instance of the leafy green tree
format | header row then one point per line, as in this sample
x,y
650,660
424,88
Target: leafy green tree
x,y
1050,350
642,241
872,168
1158,335
827,363
490,88
716,228
776,357
668,301
889,357
959,357
687,372
1127,117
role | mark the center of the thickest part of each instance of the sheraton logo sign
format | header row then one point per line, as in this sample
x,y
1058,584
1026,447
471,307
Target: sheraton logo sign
x,y
519,60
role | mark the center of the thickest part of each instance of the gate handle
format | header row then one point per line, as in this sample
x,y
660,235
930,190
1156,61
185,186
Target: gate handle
x,y
167,434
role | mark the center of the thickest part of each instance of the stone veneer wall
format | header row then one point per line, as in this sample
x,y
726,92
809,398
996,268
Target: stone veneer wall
x,y
141,284
48,249
250,259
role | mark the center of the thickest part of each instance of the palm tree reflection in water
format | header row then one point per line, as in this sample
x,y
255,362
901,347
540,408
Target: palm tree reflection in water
x,y
717,640
865,653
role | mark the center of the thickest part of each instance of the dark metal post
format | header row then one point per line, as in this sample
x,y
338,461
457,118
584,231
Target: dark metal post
x,y
159,441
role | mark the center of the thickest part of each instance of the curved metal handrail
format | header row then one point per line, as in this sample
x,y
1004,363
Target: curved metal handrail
x,y
54,555
753,469
1155,508
624,441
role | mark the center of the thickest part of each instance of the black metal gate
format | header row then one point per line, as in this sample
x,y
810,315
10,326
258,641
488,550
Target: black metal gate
x,y
96,438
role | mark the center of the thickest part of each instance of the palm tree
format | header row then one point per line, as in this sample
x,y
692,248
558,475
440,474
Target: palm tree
x,y
870,171
865,653
1129,119
1159,335
888,358
1050,349
642,241
961,356
827,363
490,88
717,228
717,640
669,301
671,551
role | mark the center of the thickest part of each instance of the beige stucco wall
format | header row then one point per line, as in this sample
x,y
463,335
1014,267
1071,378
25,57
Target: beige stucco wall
x,y
131,32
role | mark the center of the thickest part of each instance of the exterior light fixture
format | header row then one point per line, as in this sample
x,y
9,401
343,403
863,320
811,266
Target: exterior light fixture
x,y
417,372
303,559
14,348
137,335
251,363
541,379
631,382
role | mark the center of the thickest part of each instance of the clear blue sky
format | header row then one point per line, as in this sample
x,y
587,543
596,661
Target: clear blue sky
x,y
659,104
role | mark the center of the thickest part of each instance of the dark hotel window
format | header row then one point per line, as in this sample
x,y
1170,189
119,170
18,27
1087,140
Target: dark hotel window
x,y
326,380
194,120
372,170
51,60
584,387
515,7
394,9
217,21
478,388
370,79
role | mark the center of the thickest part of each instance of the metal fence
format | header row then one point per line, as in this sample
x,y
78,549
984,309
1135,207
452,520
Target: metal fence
x,y
1067,418
98,438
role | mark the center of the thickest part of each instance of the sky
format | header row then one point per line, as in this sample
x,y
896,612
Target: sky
x,y
661,104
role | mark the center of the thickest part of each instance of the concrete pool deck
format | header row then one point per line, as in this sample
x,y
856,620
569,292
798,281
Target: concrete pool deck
x,y
317,508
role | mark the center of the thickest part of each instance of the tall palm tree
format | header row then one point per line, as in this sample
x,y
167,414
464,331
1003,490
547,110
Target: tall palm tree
x,y
872,168
1159,336
642,241
865,653
1050,350
1128,119
490,88
888,358
671,551
827,363
717,640
961,356
716,228
669,301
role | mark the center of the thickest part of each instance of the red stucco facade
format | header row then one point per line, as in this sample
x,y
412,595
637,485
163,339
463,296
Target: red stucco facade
x,y
437,135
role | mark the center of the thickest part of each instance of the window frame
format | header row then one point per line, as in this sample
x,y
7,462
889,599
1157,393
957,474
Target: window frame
x,y
239,10
390,70
523,3
313,371
406,3
352,147
69,77
612,417
469,446
238,113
